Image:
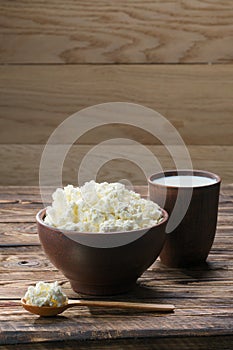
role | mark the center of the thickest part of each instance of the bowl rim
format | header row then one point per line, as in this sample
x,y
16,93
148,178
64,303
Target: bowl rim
x,y
43,211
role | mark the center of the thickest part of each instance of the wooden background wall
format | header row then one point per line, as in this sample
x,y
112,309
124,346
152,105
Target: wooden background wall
x,y
57,57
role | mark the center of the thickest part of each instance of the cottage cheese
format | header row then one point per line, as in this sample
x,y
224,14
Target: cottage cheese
x,y
101,207
45,294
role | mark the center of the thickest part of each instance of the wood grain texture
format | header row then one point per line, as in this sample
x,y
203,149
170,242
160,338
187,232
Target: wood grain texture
x,y
66,328
196,99
20,163
116,32
181,343
25,233
202,295
58,58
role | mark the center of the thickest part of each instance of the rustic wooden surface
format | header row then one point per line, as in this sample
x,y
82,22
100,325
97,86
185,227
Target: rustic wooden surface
x,y
163,31
202,295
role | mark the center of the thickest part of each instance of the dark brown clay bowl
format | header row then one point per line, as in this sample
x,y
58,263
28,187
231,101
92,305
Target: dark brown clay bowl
x,y
102,263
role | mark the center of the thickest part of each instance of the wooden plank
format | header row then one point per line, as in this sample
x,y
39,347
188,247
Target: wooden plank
x,y
82,328
217,159
18,234
20,215
196,99
21,194
172,343
116,32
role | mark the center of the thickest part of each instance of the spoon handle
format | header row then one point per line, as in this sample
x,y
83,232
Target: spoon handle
x,y
123,305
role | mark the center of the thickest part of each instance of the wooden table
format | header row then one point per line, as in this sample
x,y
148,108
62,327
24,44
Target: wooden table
x,y
203,295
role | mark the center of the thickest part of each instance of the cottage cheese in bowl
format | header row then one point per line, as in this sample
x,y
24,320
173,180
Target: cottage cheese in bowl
x,y
101,207
101,236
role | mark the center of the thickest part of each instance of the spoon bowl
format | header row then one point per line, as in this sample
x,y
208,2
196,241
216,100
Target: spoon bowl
x,y
55,310
44,310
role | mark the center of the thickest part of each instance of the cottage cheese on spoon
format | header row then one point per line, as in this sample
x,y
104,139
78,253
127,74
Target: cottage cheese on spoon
x,y
45,294
101,207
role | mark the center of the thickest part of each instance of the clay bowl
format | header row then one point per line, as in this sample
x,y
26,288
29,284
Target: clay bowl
x,y
102,263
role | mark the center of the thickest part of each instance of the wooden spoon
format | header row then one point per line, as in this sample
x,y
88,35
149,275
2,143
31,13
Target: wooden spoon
x,y
55,310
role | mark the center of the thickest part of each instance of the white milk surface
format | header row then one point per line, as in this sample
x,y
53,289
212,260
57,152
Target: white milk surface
x,y
185,181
